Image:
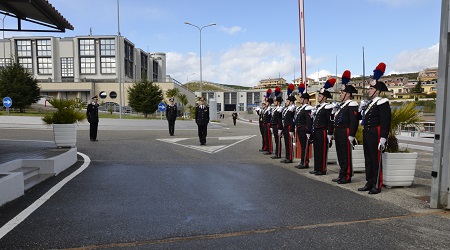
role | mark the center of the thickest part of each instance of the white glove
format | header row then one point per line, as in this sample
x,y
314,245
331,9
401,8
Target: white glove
x,y
351,139
291,134
271,130
382,144
307,136
329,138
280,132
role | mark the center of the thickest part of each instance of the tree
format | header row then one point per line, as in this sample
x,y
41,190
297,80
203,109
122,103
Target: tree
x,y
17,83
184,101
405,115
418,88
172,93
144,97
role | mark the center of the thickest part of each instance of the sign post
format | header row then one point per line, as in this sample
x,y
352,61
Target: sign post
x,y
161,108
7,102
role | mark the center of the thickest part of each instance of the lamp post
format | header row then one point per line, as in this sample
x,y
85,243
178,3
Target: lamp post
x,y
119,65
187,79
200,29
3,38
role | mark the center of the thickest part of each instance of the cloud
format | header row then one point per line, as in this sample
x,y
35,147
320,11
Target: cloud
x,y
232,30
415,60
399,3
320,73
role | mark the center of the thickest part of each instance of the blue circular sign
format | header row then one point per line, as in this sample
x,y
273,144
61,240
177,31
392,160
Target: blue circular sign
x,y
162,107
7,102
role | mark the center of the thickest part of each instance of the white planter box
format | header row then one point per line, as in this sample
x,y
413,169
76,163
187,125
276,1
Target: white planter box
x,y
358,159
399,169
65,135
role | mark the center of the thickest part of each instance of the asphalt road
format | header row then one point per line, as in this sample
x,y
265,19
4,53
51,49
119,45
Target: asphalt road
x,y
143,189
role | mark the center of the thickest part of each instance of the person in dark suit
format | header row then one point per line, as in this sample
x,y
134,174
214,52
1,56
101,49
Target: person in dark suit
x,y
322,129
260,112
376,118
171,115
303,122
202,120
345,127
92,117
235,116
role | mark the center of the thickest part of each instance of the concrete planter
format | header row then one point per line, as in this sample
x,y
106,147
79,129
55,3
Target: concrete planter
x,y
65,135
358,159
399,169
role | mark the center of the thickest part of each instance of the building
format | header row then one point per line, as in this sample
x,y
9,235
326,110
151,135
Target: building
x,y
271,83
84,66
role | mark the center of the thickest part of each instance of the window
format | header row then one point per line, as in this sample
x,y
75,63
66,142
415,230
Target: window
x,y
67,67
241,107
23,48
87,56
87,65
129,59
5,62
44,65
44,48
107,56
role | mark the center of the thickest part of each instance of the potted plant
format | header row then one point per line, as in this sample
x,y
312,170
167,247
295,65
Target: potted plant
x,y
399,166
67,113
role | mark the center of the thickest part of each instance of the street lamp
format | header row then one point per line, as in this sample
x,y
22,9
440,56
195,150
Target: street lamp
x,y
3,38
200,29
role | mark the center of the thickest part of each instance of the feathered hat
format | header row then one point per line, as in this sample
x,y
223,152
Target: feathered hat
x,y
278,97
346,76
328,84
301,91
268,93
290,89
377,73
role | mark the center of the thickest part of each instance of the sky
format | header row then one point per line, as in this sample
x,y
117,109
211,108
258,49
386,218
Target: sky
x,y
259,39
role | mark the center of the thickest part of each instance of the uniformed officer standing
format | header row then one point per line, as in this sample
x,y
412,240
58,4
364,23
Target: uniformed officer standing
x,y
277,126
322,129
376,118
92,117
202,120
267,117
288,128
345,127
303,123
260,111
171,116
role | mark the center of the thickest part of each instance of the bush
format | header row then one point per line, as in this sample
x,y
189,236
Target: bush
x,y
67,112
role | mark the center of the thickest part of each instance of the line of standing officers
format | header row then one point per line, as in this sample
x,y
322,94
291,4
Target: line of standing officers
x,y
316,126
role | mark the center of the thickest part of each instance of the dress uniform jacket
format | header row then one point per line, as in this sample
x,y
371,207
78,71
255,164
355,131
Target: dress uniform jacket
x,y
303,123
376,118
322,126
202,120
345,125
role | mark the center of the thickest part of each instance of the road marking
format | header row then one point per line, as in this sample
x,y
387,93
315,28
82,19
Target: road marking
x,y
10,225
207,148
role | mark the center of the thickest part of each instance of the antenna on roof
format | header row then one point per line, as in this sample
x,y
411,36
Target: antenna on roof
x,y
90,31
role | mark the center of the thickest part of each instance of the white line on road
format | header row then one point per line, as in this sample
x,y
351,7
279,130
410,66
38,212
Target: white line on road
x,y
39,202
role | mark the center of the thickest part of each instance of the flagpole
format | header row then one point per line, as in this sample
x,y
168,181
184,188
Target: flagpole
x,y
301,13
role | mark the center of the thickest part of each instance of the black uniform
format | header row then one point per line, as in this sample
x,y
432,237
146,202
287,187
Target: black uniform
x,y
171,115
234,115
376,118
92,116
303,123
288,126
277,124
202,120
345,125
261,127
322,126
267,116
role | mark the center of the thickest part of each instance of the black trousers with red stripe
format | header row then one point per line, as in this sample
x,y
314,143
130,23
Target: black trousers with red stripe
x,y
344,152
277,139
261,129
373,167
288,142
320,146
268,138
301,133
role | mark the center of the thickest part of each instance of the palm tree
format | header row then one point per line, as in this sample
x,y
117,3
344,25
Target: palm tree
x,y
184,101
172,92
405,115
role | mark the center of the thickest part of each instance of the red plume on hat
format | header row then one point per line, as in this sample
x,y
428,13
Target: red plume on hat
x,y
291,88
329,83
268,93
346,77
277,91
379,71
301,88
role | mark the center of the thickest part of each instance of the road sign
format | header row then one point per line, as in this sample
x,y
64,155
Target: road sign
x,y
162,107
7,102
